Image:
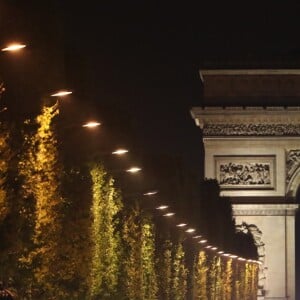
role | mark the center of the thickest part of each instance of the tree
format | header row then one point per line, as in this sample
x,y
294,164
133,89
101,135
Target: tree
x,y
227,280
131,267
105,253
201,276
180,273
149,279
8,208
75,242
139,275
4,161
40,169
164,270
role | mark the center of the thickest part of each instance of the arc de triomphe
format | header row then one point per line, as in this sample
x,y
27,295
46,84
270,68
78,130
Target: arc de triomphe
x,y
254,153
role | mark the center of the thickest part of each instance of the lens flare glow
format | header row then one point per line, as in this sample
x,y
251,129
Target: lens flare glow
x,y
170,214
133,170
91,124
150,193
162,207
61,93
120,151
13,47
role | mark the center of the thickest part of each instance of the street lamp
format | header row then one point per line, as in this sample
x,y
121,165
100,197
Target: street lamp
x,y
181,225
133,170
61,93
162,207
190,230
170,214
91,124
13,47
202,241
119,152
197,236
150,193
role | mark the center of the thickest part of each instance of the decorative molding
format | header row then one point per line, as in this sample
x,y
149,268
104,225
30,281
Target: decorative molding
x,y
250,72
248,121
264,209
251,129
245,172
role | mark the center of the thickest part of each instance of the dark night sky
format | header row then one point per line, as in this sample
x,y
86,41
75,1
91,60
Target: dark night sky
x,y
134,64
142,59
146,56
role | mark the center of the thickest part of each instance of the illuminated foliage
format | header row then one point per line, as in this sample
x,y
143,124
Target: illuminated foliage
x,y
40,171
106,241
132,273
75,242
97,254
224,279
4,159
180,273
254,279
140,279
164,271
149,280
227,280
214,277
201,280
8,208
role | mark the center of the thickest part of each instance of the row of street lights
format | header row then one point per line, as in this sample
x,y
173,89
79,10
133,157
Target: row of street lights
x,y
15,47
164,208
202,241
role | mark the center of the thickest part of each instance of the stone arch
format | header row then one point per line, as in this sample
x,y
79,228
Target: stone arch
x,y
294,184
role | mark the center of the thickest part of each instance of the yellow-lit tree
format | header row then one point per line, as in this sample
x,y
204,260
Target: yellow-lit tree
x,y
254,280
4,160
227,286
105,264
139,279
215,278
131,268
201,276
8,209
40,170
164,270
149,277
75,242
179,274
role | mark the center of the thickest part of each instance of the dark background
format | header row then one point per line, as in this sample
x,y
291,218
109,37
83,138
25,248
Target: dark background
x,y
134,66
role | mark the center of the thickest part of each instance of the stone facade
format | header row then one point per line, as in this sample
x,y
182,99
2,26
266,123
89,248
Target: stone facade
x,y
254,152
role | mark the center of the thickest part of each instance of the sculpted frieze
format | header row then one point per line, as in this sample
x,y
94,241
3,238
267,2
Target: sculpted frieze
x,y
251,129
251,172
245,173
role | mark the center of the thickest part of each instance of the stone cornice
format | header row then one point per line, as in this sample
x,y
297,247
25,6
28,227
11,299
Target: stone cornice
x,y
264,209
248,121
223,72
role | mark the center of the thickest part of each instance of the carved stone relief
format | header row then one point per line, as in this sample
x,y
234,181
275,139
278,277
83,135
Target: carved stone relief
x,y
251,129
245,172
